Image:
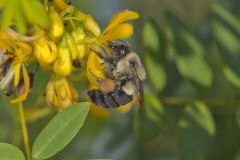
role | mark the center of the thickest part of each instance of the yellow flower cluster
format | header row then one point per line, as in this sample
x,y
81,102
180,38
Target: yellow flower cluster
x,y
70,41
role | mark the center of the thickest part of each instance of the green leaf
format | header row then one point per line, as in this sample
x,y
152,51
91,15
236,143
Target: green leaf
x,y
231,76
60,131
35,12
20,21
196,132
226,38
228,47
149,124
41,79
10,152
8,14
224,14
191,61
2,2
156,73
18,13
150,36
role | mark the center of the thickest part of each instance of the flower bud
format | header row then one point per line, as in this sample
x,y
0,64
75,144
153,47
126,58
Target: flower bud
x,y
26,49
60,93
63,64
81,51
78,35
45,51
80,15
91,25
72,46
56,27
60,5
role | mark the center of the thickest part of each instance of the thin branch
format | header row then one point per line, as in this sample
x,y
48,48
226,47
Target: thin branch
x,y
210,102
24,131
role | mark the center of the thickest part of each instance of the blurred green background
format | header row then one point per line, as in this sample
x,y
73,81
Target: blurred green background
x,y
191,50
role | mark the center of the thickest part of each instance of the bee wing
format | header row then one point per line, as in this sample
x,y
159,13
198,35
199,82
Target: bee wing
x,y
141,97
140,91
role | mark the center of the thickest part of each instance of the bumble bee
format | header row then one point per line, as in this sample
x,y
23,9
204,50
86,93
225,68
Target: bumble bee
x,y
125,73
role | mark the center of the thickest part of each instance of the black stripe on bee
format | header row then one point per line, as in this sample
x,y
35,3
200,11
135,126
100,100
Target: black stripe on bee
x,y
5,66
109,100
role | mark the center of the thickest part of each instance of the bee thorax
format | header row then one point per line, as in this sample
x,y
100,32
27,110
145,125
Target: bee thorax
x,y
123,66
137,65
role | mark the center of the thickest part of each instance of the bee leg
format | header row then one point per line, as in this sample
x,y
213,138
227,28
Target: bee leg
x,y
100,55
104,56
109,74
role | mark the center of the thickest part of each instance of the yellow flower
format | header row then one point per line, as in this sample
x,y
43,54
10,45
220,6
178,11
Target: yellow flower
x,y
14,58
100,112
60,5
91,25
56,28
45,51
63,64
60,93
6,41
117,29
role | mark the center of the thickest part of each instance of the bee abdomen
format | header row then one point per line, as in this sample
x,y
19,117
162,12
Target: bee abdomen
x,y
121,97
109,100
96,97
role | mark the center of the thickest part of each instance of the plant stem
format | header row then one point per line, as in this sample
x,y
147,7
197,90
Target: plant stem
x,y
210,102
24,131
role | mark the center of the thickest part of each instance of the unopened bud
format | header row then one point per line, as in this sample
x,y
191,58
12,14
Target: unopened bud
x,y
56,27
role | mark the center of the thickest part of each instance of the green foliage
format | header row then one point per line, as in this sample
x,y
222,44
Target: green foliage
x,y
18,13
151,36
196,132
156,73
225,15
226,38
197,46
190,58
155,55
10,152
60,131
149,124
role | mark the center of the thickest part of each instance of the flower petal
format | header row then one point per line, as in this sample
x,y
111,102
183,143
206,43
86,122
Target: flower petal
x,y
16,74
121,31
120,18
124,109
23,97
6,41
94,69
7,79
98,111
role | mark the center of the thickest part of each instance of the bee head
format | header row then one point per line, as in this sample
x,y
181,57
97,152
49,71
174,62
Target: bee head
x,y
119,49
